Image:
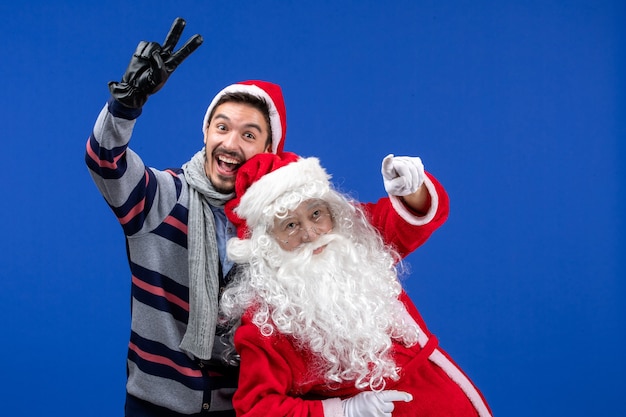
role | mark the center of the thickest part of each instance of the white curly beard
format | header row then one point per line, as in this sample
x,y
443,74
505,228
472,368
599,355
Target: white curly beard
x,y
341,304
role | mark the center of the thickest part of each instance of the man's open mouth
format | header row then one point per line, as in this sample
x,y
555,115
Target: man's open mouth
x,y
227,165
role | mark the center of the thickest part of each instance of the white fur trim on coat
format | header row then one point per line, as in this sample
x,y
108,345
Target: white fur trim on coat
x,y
411,218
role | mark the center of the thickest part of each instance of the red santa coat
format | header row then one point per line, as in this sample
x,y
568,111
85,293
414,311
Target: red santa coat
x,y
279,379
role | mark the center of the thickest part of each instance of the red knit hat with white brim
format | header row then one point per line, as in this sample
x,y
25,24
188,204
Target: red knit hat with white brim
x,y
272,94
264,178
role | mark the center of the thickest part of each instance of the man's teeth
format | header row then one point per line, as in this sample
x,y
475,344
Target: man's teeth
x,y
228,160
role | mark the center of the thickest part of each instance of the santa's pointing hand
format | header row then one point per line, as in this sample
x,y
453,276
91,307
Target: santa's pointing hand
x,y
402,175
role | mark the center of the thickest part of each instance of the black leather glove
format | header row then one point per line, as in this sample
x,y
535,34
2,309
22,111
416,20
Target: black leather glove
x,y
151,66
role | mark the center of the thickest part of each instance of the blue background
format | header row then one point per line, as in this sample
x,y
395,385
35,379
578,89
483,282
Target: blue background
x,y
516,106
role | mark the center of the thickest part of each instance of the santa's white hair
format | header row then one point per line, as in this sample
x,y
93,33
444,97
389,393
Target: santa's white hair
x,y
341,304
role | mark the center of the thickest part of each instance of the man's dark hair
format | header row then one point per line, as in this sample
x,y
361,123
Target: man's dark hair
x,y
258,103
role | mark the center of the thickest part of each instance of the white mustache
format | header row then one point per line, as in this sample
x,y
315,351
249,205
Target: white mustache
x,y
306,249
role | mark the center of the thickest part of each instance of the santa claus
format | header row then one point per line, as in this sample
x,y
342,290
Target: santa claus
x,y
320,321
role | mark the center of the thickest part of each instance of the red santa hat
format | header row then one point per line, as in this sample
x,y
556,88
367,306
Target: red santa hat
x,y
272,94
264,178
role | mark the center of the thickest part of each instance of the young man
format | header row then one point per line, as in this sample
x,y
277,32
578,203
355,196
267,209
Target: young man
x,y
176,230
322,326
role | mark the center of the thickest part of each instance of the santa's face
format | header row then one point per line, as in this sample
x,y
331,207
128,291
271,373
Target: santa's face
x,y
235,133
305,224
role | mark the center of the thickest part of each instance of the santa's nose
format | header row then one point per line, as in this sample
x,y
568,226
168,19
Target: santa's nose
x,y
310,234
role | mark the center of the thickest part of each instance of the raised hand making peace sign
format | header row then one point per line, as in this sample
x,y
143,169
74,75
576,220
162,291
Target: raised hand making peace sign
x,y
151,66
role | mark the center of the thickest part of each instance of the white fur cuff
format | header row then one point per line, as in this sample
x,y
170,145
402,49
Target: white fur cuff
x,y
411,218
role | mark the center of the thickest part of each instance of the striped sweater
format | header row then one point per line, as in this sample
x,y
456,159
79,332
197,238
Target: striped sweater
x,y
152,207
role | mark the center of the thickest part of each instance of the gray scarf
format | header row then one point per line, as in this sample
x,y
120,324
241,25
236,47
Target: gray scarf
x,y
203,259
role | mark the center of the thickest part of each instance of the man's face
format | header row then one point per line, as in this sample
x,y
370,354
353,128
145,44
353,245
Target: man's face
x,y
305,224
235,133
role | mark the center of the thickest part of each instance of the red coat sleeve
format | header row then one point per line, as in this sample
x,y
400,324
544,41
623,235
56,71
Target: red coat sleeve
x,y
268,367
395,230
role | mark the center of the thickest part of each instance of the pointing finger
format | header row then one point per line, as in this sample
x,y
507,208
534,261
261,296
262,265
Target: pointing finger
x,y
393,395
388,170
